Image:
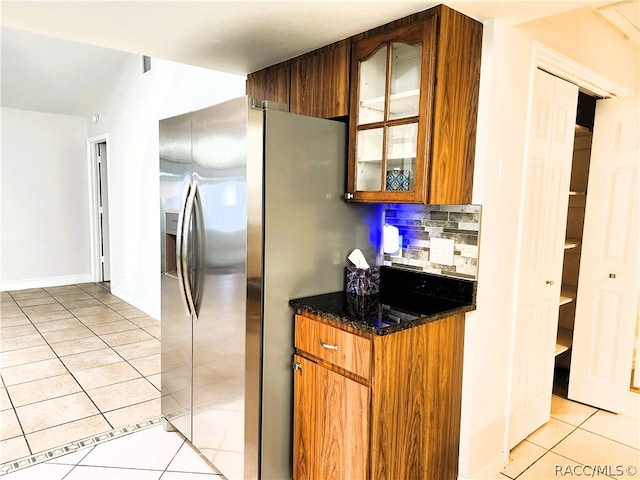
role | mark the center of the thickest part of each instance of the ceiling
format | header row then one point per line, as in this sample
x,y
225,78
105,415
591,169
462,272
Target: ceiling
x,y
50,54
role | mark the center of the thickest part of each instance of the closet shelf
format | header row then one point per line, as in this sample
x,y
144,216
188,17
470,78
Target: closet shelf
x,y
567,294
563,340
570,243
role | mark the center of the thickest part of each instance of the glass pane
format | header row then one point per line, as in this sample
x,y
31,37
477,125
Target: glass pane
x,y
369,160
373,74
401,157
405,80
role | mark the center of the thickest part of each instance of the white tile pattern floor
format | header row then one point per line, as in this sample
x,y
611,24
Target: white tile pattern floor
x,y
576,438
578,442
76,361
149,454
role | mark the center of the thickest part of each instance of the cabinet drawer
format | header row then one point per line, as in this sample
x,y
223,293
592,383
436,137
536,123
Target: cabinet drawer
x,y
343,349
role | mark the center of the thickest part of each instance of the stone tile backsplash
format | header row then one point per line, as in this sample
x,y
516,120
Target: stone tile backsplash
x,y
418,224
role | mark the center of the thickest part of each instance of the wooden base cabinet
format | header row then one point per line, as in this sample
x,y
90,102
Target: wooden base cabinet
x,y
337,435
377,407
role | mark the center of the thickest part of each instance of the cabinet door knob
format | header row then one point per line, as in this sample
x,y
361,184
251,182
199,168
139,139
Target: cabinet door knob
x,y
328,346
549,282
612,275
297,366
348,196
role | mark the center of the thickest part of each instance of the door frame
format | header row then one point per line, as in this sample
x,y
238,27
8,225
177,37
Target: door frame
x,y
94,204
574,72
591,81
558,64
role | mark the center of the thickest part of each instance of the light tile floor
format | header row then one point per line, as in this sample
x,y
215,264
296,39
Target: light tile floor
x,y
149,454
578,442
75,361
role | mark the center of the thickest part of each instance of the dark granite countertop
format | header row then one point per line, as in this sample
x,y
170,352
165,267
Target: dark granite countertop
x,y
366,313
406,299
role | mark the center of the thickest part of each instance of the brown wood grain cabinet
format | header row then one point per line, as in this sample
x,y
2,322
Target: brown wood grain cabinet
x,y
271,83
320,82
413,110
410,91
377,407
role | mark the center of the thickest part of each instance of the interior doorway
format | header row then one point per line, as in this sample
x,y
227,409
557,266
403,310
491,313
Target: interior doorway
x,y
99,209
620,134
602,331
585,116
103,210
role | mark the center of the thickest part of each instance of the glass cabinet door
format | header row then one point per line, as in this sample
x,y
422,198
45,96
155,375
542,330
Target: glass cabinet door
x,y
387,118
372,87
404,84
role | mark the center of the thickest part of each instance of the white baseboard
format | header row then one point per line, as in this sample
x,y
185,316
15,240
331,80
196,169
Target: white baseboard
x,y
151,310
489,471
10,285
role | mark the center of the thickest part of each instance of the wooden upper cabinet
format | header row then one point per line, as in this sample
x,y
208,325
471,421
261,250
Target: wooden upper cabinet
x,y
392,77
413,110
271,83
410,91
320,82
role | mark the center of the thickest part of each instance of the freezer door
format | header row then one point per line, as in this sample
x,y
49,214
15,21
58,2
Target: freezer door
x,y
219,342
176,325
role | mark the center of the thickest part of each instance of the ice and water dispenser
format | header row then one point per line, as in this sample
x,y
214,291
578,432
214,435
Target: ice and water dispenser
x,y
171,232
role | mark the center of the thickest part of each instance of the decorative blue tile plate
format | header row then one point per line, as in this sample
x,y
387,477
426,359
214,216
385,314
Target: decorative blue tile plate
x,y
398,180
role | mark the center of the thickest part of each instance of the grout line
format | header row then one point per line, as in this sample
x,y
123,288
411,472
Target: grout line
x,y
164,470
15,413
535,461
13,407
82,389
30,459
606,438
76,445
574,428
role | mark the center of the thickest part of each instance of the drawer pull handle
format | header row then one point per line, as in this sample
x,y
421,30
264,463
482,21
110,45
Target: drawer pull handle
x,y
328,346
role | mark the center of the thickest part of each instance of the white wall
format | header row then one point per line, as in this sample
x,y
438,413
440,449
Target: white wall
x,y
129,116
497,179
506,79
589,39
44,221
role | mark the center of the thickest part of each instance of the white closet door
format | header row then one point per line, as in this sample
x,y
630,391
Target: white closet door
x,y
608,288
544,219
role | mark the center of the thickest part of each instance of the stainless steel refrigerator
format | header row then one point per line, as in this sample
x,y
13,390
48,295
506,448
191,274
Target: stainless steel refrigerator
x,y
252,215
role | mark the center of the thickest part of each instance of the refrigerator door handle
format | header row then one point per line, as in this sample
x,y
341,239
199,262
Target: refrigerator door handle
x,y
186,248
180,243
199,254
